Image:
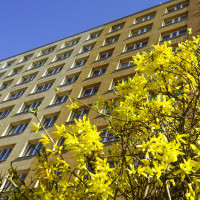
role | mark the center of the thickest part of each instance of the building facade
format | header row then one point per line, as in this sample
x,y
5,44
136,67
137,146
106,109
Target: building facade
x,y
86,65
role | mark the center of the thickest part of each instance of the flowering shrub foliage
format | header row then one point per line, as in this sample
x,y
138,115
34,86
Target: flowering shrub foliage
x,y
156,120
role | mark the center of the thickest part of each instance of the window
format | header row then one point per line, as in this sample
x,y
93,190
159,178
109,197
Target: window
x,y
60,99
87,48
1,75
71,43
53,71
26,58
116,82
107,137
5,85
111,164
125,64
16,95
47,51
177,7
16,71
32,149
140,31
143,19
107,109
27,78
49,121
5,112
98,72
174,34
176,48
78,114
61,143
175,20
43,87
79,63
111,40
117,27
16,129
105,55
90,91
9,63
70,80
8,185
136,46
4,153
94,35
34,105
38,64
63,56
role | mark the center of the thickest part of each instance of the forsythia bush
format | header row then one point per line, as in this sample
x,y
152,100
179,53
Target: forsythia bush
x,y
156,118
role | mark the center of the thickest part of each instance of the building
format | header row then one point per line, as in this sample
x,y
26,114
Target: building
x,y
86,65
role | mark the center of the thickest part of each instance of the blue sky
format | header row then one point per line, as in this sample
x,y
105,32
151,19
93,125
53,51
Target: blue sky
x,y
28,24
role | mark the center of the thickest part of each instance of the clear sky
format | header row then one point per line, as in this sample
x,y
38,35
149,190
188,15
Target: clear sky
x,y
28,24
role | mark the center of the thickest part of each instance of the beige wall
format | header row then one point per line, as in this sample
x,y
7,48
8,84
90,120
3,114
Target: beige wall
x,y
105,80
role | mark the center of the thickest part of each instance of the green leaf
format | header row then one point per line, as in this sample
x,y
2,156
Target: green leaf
x,y
96,104
129,142
57,89
115,91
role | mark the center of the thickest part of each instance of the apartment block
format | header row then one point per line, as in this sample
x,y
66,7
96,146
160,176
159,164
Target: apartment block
x,y
86,66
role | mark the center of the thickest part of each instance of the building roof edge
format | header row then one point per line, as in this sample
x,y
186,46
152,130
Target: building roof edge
x,y
87,30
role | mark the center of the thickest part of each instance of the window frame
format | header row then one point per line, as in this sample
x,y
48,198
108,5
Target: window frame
x,y
106,55
31,150
87,48
94,35
91,91
2,74
135,46
6,84
145,18
117,27
16,129
16,95
80,112
177,7
4,113
60,98
71,79
63,56
119,80
8,64
130,64
4,153
38,64
54,70
7,186
173,34
61,142
140,31
27,79
47,51
15,71
106,135
100,72
34,105
70,43
26,58
82,62
175,20
49,121
111,40
43,87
